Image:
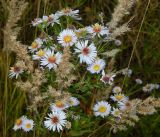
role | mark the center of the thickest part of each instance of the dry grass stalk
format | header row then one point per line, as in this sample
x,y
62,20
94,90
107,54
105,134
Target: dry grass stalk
x,y
120,11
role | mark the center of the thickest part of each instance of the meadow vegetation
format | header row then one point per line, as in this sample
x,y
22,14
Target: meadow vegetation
x,y
139,51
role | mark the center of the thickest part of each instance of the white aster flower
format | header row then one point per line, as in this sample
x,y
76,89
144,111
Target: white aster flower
x,y
59,105
117,89
116,112
28,125
97,66
51,19
156,86
67,37
87,53
124,105
127,72
138,81
55,121
35,45
69,12
51,60
106,78
148,87
117,42
36,22
98,29
73,101
39,54
119,97
15,72
19,122
102,109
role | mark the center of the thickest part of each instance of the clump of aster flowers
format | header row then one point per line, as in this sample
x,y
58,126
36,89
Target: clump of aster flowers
x,y
73,73
24,123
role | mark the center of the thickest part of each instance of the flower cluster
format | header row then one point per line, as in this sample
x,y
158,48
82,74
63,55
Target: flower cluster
x,y
73,61
56,120
24,123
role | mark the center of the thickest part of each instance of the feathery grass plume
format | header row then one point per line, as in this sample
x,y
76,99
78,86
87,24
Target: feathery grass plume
x,y
120,11
132,108
63,72
32,87
111,53
119,31
15,9
128,116
148,106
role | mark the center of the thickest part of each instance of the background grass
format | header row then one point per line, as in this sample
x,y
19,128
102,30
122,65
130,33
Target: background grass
x,y
145,62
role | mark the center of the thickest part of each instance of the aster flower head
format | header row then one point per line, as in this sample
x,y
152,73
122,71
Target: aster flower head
x,y
116,112
106,78
51,19
51,59
81,33
28,125
138,81
148,87
119,97
87,53
67,38
59,105
117,89
97,66
35,45
156,86
126,105
36,22
117,42
102,109
55,121
127,72
15,71
39,54
98,29
19,123
73,101
69,12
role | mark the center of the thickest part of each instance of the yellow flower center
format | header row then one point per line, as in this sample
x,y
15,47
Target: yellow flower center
x,y
96,67
28,125
34,45
40,53
66,10
59,104
52,59
67,39
119,97
97,28
50,18
71,102
19,121
116,113
102,109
